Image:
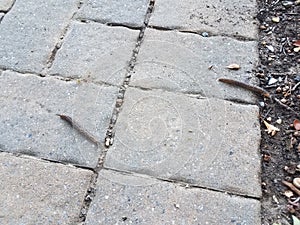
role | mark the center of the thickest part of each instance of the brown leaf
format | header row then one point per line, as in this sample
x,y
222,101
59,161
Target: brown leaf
x,y
233,66
296,124
297,43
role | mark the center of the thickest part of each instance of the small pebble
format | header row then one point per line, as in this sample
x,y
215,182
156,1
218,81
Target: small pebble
x,y
204,34
269,119
272,81
279,121
270,47
262,104
278,90
283,100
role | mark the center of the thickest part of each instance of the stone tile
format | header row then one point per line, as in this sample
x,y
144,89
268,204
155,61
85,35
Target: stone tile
x,y
190,63
216,17
205,142
28,121
132,199
126,12
95,51
30,31
37,192
5,5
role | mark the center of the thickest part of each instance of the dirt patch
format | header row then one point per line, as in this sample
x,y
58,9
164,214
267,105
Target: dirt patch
x,y
279,73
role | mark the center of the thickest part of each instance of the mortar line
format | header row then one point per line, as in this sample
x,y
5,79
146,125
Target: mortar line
x,y
91,190
59,43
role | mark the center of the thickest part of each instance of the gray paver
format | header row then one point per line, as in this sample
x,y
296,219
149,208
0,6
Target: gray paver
x,y
35,192
219,17
28,121
125,12
206,142
30,30
129,199
182,62
95,51
5,5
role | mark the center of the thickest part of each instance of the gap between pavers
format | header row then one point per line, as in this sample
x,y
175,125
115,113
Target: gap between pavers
x,y
95,52
206,142
123,12
182,62
37,192
228,17
29,124
135,199
30,31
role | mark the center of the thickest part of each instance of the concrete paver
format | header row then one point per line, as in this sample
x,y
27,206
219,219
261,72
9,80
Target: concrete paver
x,y
191,63
35,192
130,13
131,199
206,142
30,31
5,5
218,17
96,52
28,121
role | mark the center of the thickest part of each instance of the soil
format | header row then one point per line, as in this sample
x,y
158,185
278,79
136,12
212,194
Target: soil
x,y
279,73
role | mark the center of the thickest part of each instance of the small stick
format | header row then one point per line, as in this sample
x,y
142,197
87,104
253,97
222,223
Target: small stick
x,y
79,128
292,187
256,90
249,87
296,86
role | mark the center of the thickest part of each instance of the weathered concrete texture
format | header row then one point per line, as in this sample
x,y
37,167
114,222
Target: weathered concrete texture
x,y
36,192
124,12
131,199
30,30
95,51
5,5
28,121
218,17
206,142
191,63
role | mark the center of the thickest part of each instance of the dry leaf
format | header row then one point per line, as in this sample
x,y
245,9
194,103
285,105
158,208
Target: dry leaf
x,y
297,43
276,19
296,124
270,128
233,66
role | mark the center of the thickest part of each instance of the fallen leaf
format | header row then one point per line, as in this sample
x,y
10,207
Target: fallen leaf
x,y
296,124
276,19
270,128
297,43
296,221
233,66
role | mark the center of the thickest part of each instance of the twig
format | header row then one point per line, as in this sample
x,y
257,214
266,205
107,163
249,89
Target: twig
x,y
79,128
249,87
256,90
292,187
296,86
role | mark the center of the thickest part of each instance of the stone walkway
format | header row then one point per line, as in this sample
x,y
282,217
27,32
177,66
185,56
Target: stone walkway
x,y
176,146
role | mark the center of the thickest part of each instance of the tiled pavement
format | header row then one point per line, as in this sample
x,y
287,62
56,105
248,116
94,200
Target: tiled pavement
x,y
141,75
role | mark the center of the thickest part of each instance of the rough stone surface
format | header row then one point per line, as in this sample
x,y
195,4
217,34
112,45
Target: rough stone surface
x,y
5,5
95,51
30,31
190,63
132,199
124,12
206,142
36,192
29,124
218,17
